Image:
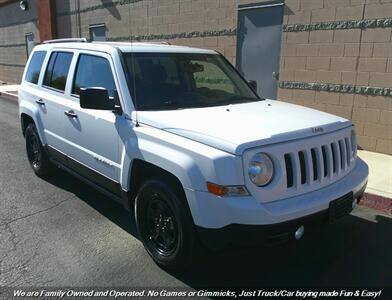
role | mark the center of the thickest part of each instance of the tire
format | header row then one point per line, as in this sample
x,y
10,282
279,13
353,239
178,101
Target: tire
x,y
165,224
36,154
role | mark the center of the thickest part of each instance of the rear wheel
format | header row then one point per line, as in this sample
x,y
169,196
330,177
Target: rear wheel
x,y
36,154
164,224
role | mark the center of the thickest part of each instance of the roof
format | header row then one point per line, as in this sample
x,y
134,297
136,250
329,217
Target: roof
x,y
125,47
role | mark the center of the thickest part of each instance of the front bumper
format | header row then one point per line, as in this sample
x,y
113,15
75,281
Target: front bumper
x,y
238,234
212,212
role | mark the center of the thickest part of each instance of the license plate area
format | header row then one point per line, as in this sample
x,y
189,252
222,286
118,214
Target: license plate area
x,y
341,207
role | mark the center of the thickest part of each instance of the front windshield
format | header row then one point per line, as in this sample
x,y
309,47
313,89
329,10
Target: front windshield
x,y
166,81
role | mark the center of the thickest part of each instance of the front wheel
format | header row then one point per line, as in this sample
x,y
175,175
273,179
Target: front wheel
x,y
164,224
36,154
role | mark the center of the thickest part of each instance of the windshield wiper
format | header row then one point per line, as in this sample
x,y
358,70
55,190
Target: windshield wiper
x,y
161,106
245,98
234,100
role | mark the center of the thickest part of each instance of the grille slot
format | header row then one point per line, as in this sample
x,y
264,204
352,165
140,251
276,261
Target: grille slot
x,y
334,157
301,157
342,150
289,170
325,162
314,163
348,151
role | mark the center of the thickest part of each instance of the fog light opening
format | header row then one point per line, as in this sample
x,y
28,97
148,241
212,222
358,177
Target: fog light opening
x,y
299,233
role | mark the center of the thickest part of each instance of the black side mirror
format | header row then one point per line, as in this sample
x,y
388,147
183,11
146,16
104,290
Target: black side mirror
x,y
253,85
96,98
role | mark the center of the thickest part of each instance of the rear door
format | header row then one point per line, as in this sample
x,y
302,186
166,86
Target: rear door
x,y
92,135
51,100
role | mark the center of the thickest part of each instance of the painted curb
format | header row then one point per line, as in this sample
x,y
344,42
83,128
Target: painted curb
x,y
9,96
380,203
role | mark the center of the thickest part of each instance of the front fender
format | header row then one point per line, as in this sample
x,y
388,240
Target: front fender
x,y
191,162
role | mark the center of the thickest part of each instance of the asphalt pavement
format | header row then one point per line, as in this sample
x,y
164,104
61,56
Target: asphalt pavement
x,y
61,232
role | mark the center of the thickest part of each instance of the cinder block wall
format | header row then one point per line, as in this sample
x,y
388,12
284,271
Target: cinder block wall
x,y
199,23
343,58
329,61
14,25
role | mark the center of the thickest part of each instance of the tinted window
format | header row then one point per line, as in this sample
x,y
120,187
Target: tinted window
x,y
164,81
35,65
93,71
57,70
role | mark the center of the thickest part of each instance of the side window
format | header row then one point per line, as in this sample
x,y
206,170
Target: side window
x,y
35,65
57,70
93,71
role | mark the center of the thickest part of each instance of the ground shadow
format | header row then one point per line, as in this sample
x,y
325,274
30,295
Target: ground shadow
x,y
353,251
350,252
109,208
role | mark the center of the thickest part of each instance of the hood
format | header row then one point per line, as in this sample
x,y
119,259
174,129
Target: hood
x,y
237,127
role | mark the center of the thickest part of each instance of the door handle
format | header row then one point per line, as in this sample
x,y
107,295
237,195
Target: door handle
x,y
40,102
71,114
275,75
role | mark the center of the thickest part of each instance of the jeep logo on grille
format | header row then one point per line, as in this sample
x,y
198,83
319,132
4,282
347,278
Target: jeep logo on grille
x,y
317,129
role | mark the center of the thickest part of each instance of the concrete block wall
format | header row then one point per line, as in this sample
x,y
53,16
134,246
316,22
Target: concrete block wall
x,y
153,19
14,25
355,57
343,57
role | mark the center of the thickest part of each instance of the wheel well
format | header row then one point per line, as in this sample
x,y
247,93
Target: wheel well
x,y
142,170
25,120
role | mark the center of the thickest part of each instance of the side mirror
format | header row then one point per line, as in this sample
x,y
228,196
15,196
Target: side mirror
x,y
96,98
253,85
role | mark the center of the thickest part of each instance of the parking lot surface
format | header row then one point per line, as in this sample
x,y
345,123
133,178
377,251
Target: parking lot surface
x,y
61,232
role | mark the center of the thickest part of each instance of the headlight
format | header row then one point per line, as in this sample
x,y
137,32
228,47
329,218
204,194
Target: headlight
x,y
261,169
353,144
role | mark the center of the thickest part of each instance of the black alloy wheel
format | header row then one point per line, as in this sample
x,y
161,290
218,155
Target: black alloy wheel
x,y
164,224
36,154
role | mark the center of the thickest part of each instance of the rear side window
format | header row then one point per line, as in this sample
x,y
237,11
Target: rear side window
x,y
35,65
93,71
57,70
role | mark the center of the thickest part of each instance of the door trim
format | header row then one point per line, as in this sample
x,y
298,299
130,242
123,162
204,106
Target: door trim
x,y
84,171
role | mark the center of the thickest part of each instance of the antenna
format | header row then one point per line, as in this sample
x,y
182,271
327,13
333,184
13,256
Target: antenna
x,y
133,68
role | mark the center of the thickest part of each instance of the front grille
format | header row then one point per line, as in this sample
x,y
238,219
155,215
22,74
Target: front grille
x,y
304,165
315,164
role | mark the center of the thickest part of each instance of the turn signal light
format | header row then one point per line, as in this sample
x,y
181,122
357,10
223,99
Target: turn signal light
x,y
227,191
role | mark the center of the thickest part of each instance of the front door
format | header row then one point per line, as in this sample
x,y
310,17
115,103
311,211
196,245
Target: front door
x,y
92,135
258,45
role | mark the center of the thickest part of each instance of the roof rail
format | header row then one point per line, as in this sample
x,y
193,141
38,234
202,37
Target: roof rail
x,y
79,40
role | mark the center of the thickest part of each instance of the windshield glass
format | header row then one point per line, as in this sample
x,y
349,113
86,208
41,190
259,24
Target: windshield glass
x,y
165,81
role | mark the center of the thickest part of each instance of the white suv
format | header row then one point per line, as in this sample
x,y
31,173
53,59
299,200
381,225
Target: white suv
x,y
183,141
